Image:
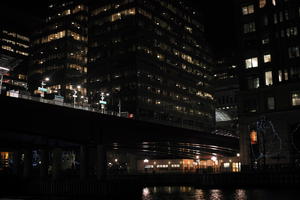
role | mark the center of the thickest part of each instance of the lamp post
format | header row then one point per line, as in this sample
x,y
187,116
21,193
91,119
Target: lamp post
x,y
75,94
102,102
3,70
43,83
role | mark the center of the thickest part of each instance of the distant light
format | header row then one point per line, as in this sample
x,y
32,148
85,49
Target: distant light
x,y
47,79
197,157
116,160
238,155
78,86
214,158
146,160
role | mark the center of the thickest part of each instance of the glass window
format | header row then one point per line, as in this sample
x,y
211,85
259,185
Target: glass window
x,y
262,3
253,83
296,98
294,52
271,103
251,62
248,9
280,76
267,58
253,137
268,78
250,27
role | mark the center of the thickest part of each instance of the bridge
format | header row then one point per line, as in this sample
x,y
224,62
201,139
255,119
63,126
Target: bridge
x,y
28,125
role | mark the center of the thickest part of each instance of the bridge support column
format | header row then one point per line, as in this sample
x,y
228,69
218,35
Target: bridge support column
x,y
44,155
56,163
132,163
83,162
27,163
16,167
101,162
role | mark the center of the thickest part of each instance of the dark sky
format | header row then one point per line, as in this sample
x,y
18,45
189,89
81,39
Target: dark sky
x,y
219,18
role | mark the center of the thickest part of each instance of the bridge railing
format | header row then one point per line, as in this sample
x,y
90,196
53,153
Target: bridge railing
x,y
69,105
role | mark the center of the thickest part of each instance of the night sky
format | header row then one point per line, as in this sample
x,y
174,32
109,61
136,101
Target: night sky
x,y
219,18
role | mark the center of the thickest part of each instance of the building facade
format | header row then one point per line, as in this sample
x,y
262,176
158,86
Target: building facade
x,y
270,80
59,51
14,55
152,59
226,92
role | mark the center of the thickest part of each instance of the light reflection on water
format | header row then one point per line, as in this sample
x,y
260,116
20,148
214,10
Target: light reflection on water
x,y
190,193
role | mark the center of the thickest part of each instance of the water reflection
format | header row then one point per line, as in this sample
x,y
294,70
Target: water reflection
x,y
190,193
240,194
215,195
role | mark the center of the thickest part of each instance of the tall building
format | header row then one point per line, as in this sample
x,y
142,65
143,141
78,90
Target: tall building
x,y
226,86
14,55
60,50
153,60
269,71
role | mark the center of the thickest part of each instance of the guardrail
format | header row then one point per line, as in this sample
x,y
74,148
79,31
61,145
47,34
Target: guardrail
x,y
69,105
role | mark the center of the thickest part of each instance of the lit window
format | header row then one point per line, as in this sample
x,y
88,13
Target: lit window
x,y
248,9
262,3
251,62
280,76
271,103
269,78
296,98
265,41
253,137
267,58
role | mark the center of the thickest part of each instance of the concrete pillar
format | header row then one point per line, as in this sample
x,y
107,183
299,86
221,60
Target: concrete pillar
x,y
101,162
132,163
83,162
27,163
56,163
44,156
16,163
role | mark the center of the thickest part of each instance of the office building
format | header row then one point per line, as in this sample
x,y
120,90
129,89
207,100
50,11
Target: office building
x,y
269,70
152,59
60,51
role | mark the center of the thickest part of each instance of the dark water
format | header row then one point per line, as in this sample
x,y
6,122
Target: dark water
x,y
187,193
190,193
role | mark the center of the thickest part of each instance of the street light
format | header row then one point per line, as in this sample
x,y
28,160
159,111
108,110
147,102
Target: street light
x,y
3,70
42,89
75,93
102,102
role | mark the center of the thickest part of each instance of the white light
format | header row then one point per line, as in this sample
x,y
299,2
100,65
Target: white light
x,y
238,155
116,160
47,79
214,158
146,160
78,86
197,157
107,94
4,68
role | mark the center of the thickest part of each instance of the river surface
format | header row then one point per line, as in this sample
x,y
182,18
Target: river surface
x,y
188,193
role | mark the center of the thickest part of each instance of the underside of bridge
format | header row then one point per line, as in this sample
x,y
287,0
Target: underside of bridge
x,y
26,123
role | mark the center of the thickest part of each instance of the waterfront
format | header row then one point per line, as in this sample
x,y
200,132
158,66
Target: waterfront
x,y
185,193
